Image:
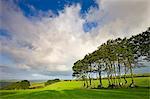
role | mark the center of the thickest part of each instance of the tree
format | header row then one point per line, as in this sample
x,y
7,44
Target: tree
x,y
52,81
113,57
88,60
24,84
80,69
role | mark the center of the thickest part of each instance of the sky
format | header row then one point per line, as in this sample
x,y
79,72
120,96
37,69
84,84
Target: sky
x,y
41,39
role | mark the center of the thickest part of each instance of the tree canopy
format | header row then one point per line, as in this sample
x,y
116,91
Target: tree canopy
x,y
115,58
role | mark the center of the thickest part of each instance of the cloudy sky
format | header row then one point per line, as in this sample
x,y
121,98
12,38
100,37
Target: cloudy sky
x,y
41,39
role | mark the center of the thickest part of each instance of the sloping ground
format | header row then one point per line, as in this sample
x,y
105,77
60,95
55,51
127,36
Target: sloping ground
x,y
74,90
139,81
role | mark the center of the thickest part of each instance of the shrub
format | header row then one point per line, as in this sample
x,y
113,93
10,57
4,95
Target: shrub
x,y
51,81
24,84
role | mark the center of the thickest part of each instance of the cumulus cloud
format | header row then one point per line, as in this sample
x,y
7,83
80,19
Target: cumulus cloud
x,y
123,16
53,44
49,43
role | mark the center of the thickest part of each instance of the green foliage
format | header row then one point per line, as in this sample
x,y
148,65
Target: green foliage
x,y
51,81
37,85
24,84
113,57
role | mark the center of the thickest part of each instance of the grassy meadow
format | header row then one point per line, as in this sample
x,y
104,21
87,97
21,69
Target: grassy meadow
x,y
75,90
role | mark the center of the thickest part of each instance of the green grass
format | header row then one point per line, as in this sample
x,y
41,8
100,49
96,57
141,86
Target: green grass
x,y
35,84
75,90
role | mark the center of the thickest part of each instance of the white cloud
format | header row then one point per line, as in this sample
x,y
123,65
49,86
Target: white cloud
x,y
37,76
49,43
117,18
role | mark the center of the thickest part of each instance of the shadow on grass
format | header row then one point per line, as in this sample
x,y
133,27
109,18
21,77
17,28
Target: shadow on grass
x,y
6,93
127,87
137,93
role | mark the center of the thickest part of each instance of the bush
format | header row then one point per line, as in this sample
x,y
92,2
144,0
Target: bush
x,y
51,81
24,84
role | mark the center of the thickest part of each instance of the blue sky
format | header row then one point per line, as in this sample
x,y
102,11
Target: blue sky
x,y
32,8
41,39
54,5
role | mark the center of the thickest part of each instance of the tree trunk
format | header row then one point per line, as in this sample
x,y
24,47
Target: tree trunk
x,y
119,68
83,81
100,78
108,75
125,72
90,80
132,78
111,75
87,85
115,81
132,83
108,79
90,75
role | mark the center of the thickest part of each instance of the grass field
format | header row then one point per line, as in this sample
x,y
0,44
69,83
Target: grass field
x,y
75,90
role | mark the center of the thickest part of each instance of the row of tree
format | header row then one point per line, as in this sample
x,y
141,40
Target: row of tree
x,y
115,58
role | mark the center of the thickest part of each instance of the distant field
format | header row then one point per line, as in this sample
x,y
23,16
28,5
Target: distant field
x,y
35,84
75,90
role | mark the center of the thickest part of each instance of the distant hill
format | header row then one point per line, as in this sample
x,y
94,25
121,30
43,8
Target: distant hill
x,y
4,84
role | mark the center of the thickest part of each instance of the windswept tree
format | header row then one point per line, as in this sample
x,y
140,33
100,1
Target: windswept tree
x,y
80,71
113,58
99,65
89,59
